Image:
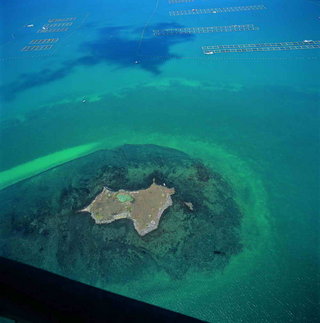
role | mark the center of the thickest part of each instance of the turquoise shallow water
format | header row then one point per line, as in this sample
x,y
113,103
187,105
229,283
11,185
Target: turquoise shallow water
x,y
252,116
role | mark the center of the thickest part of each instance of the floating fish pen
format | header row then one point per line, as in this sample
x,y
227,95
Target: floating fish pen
x,y
215,10
204,30
44,41
52,30
60,24
179,1
262,47
61,19
36,48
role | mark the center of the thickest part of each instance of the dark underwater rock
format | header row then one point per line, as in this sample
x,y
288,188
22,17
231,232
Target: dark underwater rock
x,y
41,224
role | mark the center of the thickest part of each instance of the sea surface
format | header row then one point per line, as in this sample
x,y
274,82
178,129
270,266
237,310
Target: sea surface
x,y
252,116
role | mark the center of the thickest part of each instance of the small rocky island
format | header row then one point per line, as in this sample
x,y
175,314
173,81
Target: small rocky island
x,y
143,207
43,221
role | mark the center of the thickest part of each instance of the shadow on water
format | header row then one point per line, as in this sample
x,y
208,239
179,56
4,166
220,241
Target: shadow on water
x,y
124,47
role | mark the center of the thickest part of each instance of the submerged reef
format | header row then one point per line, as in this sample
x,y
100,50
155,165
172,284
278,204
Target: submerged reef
x,y
196,218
